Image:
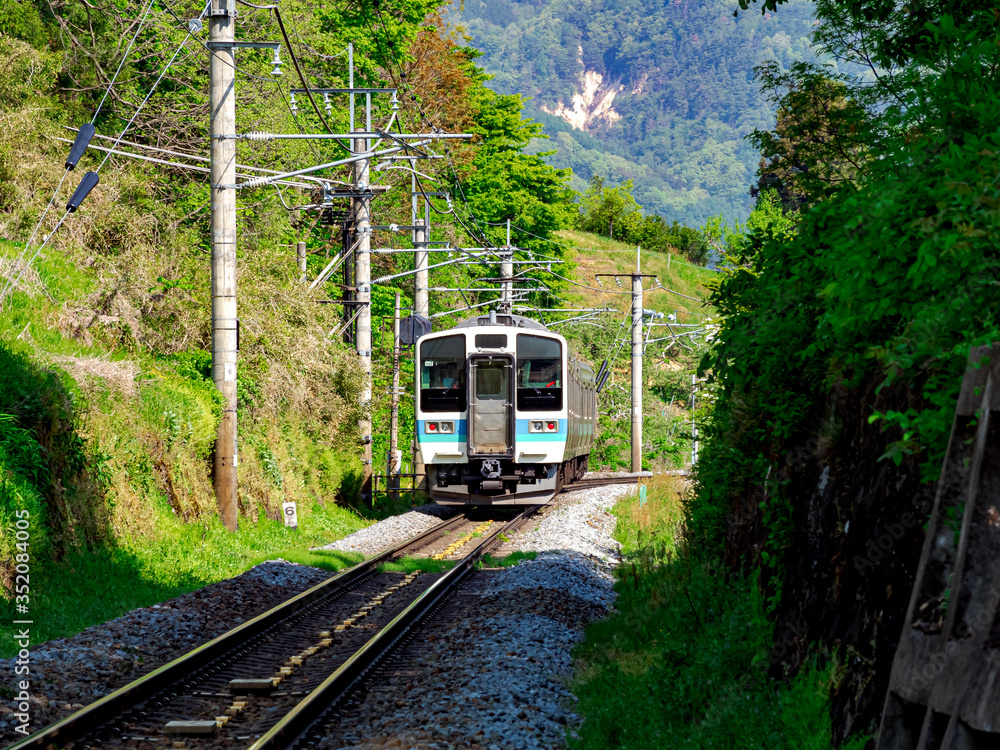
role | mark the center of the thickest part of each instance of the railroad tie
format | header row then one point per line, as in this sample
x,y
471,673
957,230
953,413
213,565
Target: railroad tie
x,y
456,545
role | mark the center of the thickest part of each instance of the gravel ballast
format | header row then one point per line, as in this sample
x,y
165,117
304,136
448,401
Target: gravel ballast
x,y
492,674
69,673
393,530
496,677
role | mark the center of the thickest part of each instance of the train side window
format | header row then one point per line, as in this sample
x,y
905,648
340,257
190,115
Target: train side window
x,y
442,374
539,373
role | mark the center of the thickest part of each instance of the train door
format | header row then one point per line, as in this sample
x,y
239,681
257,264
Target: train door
x,y
490,406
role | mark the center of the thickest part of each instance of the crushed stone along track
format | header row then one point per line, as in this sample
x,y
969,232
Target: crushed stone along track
x,y
491,669
292,663
499,648
237,691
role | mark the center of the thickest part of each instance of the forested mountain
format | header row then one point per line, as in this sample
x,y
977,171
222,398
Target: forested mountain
x,y
660,92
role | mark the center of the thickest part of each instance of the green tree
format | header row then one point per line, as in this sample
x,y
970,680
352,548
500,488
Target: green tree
x,y
504,182
822,138
655,234
610,211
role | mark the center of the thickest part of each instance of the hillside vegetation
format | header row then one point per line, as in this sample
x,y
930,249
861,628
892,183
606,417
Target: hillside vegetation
x,y
660,93
846,322
108,414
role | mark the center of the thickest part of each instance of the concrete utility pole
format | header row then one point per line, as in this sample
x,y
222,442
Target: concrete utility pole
x,y
694,426
395,459
222,118
363,297
421,306
421,300
637,315
636,367
507,273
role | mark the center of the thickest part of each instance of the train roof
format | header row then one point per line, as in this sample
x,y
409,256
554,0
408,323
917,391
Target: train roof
x,y
514,321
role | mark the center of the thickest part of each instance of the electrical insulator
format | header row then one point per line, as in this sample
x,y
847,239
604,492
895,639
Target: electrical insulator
x,y
80,144
88,183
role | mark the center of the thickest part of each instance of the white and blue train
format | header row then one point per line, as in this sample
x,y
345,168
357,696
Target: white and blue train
x,y
505,415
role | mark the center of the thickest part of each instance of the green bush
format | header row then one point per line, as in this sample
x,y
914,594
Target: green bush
x,y
684,659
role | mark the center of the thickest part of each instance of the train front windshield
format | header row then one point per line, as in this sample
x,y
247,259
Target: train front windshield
x,y
442,374
539,373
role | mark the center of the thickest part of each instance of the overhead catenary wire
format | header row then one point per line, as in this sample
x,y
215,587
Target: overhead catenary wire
x,y
179,165
250,75
413,99
302,78
196,157
93,119
590,250
19,272
69,209
151,91
121,63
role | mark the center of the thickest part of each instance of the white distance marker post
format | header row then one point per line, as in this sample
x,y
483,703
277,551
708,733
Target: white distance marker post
x,y
291,519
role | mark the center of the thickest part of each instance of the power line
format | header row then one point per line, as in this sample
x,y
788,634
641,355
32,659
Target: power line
x,y
591,250
302,78
69,166
70,207
413,98
142,22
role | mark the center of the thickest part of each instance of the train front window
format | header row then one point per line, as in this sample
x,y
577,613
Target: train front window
x,y
442,374
539,373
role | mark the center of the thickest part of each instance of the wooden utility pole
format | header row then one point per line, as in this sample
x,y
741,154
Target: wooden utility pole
x,y
394,463
222,119
363,298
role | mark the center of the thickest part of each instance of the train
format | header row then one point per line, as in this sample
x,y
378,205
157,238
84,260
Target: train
x,y
505,414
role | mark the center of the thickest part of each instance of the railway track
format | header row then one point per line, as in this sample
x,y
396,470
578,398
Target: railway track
x,y
264,684
586,484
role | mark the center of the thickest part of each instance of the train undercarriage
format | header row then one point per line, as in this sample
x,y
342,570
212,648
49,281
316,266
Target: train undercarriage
x,y
498,481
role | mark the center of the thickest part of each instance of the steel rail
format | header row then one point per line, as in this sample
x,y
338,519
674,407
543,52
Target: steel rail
x,y
127,699
311,709
583,484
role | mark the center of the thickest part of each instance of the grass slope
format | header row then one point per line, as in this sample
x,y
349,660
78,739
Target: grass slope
x,y
684,661
589,254
668,364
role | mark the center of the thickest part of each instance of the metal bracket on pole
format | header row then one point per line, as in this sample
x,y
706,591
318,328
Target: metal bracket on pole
x,y
224,8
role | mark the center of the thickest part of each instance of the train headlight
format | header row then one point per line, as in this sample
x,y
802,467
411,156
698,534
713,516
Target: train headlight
x,y
446,427
543,426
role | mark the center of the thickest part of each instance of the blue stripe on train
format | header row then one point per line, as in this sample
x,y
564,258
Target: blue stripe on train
x,y
459,435
524,436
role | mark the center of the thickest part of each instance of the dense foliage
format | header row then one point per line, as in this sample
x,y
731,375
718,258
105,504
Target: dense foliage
x,y
613,212
681,77
859,305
